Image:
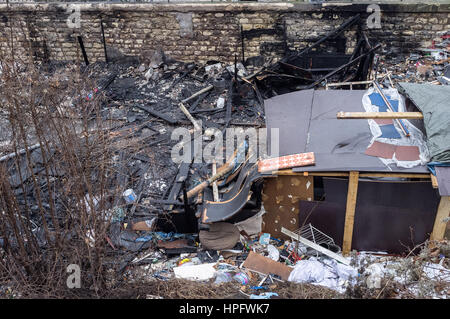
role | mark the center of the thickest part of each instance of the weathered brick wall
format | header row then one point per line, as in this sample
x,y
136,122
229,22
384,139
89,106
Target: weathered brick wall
x,y
200,32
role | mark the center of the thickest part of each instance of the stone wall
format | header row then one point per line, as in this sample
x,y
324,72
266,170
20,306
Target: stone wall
x,y
201,32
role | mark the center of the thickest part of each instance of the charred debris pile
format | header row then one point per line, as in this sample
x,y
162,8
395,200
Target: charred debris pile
x,y
87,176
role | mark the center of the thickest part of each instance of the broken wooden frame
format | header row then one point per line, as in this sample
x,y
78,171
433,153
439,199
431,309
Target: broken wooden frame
x,y
443,210
351,83
342,67
332,34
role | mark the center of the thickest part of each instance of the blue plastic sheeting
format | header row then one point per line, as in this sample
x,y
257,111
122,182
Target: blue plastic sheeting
x,y
389,131
432,166
266,295
376,99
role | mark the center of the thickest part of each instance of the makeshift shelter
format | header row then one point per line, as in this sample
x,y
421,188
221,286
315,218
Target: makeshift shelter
x,y
353,197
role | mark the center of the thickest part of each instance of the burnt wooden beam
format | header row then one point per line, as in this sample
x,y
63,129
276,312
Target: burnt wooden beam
x,y
80,41
157,114
198,101
182,175
229,104
104,41
242,44
348,23
182,76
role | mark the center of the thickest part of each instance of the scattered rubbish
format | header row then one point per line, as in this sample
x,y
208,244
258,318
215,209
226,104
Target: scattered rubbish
x,y
274,254
264,239
145,225
220,103
219,236
195,272
161,220
129,196
315,246
316,272
241,277
222,277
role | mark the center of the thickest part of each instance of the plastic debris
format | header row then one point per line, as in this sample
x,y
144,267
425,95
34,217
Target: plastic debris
x,y
241,278
330,273
264,239
195,272
222,277
264,295
274,254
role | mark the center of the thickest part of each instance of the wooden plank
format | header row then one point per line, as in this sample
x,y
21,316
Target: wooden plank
x,y
440,223
379,115
388,104
214,185
289,172
350,212
259,263
344,174
348,83
434,181
399,175
314,246
190,117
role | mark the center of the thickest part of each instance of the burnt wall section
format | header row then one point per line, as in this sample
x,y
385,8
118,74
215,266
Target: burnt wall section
x,y
201,32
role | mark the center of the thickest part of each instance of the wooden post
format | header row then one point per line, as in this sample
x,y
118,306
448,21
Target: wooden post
x,y
434,181
214,185
439,223
350,212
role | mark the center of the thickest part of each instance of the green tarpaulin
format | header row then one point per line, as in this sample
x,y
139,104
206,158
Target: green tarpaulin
x,y
434,103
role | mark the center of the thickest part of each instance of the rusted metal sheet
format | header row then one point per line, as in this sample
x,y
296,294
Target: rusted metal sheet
x,y
281,197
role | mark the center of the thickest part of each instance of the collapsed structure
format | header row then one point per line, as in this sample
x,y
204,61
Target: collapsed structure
x,y
362,164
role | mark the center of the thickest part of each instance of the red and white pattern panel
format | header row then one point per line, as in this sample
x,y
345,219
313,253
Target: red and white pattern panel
x,y
289,161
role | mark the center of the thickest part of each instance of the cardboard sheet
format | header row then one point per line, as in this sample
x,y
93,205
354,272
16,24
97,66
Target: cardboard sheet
x,y
266,265
383,121
379,149
407,153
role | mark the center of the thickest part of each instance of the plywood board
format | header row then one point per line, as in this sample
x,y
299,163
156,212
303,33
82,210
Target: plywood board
x,y
281,198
